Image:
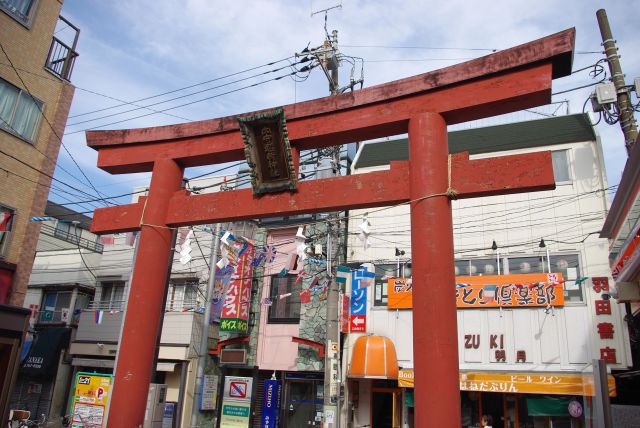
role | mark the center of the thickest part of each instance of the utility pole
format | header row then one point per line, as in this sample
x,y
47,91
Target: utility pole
x,y
329,61
625,108
203,355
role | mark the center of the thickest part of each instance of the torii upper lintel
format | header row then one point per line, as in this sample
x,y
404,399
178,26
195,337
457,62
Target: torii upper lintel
x,y
509,80
422,106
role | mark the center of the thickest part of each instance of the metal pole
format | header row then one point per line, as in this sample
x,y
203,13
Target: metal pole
x,y
548,260
627,121
602,404
202,352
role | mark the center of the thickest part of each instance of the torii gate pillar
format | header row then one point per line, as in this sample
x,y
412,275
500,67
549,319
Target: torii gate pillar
x,y
435,348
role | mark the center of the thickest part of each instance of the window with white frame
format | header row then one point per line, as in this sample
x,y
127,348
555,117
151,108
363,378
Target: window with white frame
x,y
560,162
182,294
20,10
19,111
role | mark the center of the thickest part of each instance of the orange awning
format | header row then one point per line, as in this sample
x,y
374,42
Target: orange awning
x,y
374,357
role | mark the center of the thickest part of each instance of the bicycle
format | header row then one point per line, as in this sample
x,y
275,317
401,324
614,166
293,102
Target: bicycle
x,y
20,418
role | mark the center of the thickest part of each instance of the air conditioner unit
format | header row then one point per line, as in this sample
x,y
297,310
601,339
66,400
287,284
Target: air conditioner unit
x,y
233,356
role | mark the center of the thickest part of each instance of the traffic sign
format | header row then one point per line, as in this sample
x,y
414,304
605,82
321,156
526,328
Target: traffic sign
x,y
358,323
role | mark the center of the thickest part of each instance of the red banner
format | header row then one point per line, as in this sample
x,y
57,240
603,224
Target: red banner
x,y
237,301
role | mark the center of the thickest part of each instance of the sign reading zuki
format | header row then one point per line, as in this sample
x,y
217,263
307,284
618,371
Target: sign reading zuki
x,y
268,153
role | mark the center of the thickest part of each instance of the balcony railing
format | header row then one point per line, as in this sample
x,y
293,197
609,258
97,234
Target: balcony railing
x,y
62,57
73,238
180,305
58,317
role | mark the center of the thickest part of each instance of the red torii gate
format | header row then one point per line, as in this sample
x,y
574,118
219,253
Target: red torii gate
x,y
422,105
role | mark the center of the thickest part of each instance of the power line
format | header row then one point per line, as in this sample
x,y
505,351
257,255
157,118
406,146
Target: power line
x,y
185,87
186,104
180,97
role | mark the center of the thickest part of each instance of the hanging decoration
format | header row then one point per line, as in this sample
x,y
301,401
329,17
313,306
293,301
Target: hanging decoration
x,y
364,233
185,248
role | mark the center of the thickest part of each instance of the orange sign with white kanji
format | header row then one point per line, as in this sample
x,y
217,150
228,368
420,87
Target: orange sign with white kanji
x,y
490,291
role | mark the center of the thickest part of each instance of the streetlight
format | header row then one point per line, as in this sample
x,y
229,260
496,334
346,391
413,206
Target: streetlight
x,y
543,245
398,254
494,247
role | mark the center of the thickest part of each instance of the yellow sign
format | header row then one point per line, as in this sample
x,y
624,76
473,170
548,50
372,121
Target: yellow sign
x,y
490,291
90,399
521,382
405,378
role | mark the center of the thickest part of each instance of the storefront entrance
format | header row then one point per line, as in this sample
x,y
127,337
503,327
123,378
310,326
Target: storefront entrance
x,y
304,396
386,407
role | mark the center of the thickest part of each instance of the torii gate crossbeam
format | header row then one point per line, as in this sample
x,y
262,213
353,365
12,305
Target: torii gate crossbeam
x,y
421,106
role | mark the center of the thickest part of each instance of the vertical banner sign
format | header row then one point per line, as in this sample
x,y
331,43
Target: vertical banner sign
x,y
358,301
221,281
90,396
209,392
345,303
271,404
235,310
236,402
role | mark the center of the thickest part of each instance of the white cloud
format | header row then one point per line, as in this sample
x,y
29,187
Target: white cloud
x,y
133,49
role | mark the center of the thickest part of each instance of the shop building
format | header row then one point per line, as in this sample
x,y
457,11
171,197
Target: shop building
x,y
533,289
622,227
35,95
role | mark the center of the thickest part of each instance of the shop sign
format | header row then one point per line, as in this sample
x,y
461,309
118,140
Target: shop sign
x,y
359,280
575,408
90,397
209,393
235,415
271,404
532,383
405,378
235,310
628,255
236,402
268,152
520,382
345,303
490,291
604,319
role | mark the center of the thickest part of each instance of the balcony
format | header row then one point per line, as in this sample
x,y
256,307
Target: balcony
x,y
62,57
72,236
178,328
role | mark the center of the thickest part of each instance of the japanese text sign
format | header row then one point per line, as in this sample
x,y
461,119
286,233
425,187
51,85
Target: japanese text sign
x,y
490,291
237,300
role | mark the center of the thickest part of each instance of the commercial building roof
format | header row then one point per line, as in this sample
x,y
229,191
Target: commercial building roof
x,y
513,136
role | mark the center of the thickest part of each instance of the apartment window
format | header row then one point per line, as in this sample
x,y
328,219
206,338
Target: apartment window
x,y
285,309
56,307
21,10
112,295
19,112
380,291
182,294
6,221
560,161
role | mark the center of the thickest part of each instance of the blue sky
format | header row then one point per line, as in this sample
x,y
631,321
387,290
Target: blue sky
x,y
130,50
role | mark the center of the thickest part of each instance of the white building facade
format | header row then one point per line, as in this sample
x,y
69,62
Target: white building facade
x,y
521,364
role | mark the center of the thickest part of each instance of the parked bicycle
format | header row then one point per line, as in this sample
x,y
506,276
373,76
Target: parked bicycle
x,y
21,418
